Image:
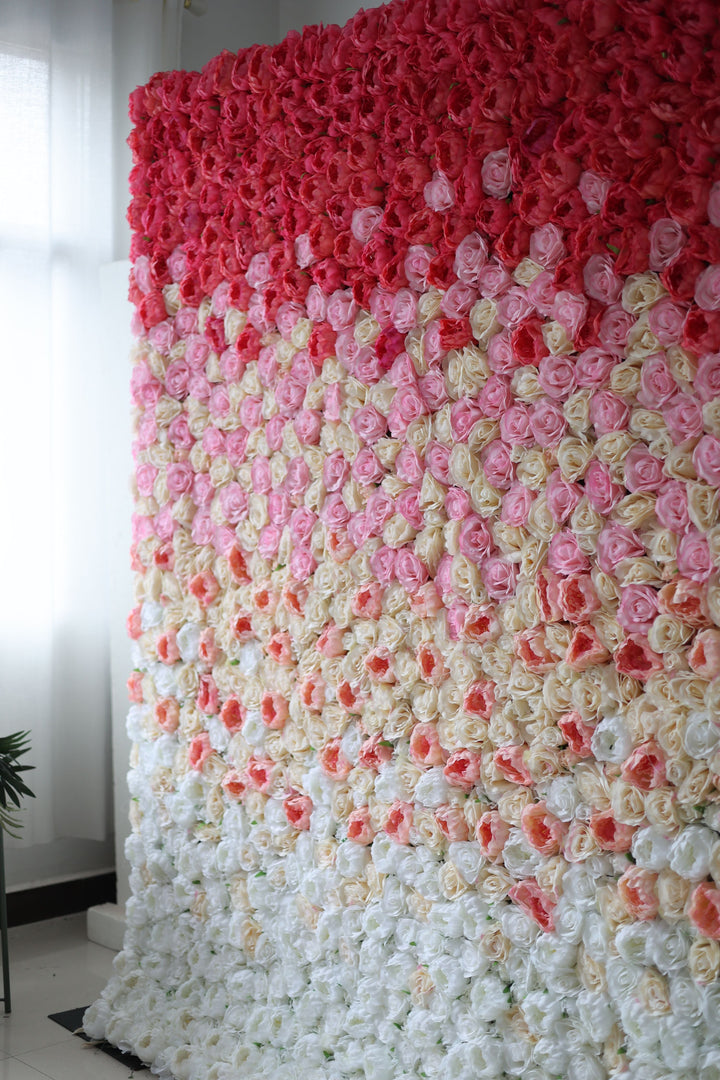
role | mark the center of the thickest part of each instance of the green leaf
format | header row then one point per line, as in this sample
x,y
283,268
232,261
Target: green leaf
x,y
234,663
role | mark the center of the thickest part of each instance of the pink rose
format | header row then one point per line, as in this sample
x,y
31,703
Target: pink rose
x,y
615,544
615,325
657,384
330,642
601,281
176,379
437,461
645,768
367,601
501,358
179,433
425,748
341,309
213,442
667,239
332,402
704,909
707,289
409,571
289,395
602,493
562,496
593,190
546,246
408,504
499,578
402,373
399,821
407,406
197,351
233,502
333,512
666,320
366,468
497,465
279,507
542,829
458,300
452,821
570,311
145,479
439,193
382,564
693,556
671,507
302,523
704,654
455,615
297,478
457,504
298,810
417,265
565,556
638,608
404,310
433,390
706,459
380,508
510,761
707,378
286,318
368,424
643,471
359,826
593,367
491,832
556,375
269,541
515,427
307,426
336,470
635,657
365,221
261,475
496,175
513,307
409,466
470,257
236,446
493,279
547,422
713,206
585,649
683,418
359,530
608,412
495,397
474,539
199,751
179,479
316,304
577,598
462,769
516,505
203,529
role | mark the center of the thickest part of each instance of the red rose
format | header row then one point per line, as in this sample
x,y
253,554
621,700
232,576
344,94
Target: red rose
x,y
527,342
701,332
679,278
152,309
514,243
687,200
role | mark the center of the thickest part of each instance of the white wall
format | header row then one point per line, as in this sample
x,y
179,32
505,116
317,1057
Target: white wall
x,y
227,24
294,14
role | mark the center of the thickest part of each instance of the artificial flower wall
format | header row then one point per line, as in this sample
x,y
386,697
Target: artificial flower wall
x,y
426,707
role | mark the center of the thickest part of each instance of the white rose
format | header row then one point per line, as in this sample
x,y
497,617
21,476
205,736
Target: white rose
x,y
611,740
569,921
519,857
518,927
432,789
388,785
651,848
351,860
151,615
595,1014
668,946
163,675
351,742
467,858
701,735
254,731
633,942
488,998
690,852
622,977
679,1043
250,654
685,996
563,798
219,734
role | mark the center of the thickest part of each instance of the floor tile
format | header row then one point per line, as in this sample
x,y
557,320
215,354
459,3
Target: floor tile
x,y
75,1060
12,1069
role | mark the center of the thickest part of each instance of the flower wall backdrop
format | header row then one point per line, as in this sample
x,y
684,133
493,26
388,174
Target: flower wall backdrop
x,y
426,708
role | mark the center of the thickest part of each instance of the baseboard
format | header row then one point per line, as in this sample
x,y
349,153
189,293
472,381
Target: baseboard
x,y
62,898
106,925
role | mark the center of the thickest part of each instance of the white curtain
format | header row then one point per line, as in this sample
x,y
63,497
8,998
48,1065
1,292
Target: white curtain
x,y
55,233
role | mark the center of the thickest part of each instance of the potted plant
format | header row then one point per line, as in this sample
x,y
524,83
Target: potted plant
x,y
12,789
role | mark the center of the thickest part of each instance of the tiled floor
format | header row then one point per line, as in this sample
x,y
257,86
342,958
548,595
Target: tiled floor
x,y
53,968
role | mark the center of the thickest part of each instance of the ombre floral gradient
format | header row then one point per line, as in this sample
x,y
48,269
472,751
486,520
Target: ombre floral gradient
x,y
427,540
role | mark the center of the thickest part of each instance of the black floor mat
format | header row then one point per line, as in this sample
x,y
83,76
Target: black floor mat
x,y
72,1021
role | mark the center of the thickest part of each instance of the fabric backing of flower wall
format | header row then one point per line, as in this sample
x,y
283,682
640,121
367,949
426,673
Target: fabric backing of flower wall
x,y
426,708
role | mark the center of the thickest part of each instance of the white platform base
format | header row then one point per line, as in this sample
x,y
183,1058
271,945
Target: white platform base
x,y
106,925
